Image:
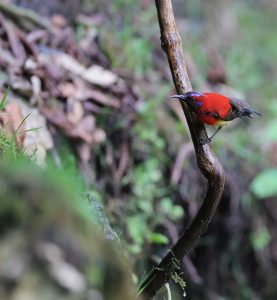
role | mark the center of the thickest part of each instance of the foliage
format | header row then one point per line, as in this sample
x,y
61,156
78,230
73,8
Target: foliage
x,y
264,184
148,182
260,239
248,60
126,42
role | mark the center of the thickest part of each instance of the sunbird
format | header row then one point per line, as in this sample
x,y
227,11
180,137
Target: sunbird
x,y
215,109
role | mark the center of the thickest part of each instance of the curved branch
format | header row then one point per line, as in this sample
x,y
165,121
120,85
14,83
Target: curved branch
x,y
207,161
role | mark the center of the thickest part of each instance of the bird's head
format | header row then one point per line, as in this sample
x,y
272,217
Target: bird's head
x,y
191,99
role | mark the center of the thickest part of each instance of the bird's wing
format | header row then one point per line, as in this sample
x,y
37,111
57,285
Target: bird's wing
x,y
238,109
239,104
242,108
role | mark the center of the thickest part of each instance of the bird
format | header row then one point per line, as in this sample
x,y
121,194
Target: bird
x,y
216,109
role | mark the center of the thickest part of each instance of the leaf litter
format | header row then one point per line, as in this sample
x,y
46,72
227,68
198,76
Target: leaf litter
x,y
61,84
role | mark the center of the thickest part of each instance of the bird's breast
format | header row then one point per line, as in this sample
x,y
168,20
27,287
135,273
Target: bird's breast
x,y
211,119
214,109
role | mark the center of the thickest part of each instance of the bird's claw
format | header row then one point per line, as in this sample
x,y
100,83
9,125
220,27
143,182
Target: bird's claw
x,y
204,141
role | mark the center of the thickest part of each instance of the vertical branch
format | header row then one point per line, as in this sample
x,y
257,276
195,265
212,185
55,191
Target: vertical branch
x,y
206,159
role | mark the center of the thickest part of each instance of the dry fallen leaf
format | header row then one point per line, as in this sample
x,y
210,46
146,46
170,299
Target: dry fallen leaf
x,y
99,135
84,130
98,75
15,43
95,74
37,137
75,111
67,89
36,86
11,119
59,21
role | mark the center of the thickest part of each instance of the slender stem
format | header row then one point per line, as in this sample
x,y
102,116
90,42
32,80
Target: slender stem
x,y
207,161
19,13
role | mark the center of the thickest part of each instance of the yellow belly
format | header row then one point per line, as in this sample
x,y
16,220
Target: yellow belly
x,y
221,123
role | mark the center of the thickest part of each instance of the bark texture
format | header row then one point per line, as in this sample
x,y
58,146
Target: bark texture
x,y
208,163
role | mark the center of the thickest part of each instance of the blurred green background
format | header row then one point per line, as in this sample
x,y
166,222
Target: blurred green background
x,y
231,48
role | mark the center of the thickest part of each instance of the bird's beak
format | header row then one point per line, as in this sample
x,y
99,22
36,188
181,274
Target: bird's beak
x,y
181,97
188,96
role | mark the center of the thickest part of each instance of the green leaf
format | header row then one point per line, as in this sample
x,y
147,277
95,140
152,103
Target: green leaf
x,y
174,212
260,239
271,131
158,238
264,184
137,228
3,100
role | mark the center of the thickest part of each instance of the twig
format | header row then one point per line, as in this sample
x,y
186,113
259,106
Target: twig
x,y
184,151
14,42
207,161
19,13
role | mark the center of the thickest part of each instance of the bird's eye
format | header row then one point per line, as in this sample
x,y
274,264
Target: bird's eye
x,y
199,103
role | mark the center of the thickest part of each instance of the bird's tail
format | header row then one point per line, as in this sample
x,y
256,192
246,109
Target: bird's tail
x,y
249,113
